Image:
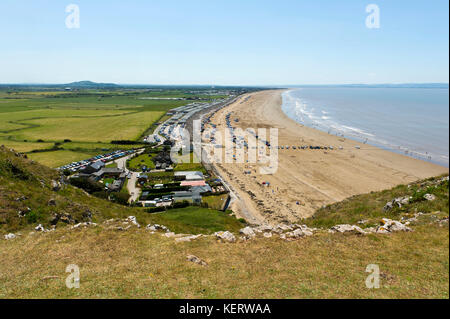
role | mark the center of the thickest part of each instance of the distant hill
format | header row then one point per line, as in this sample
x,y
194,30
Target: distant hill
x,y
90,84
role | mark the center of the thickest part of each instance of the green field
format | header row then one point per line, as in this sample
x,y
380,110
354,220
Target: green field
x,y
86,120
136,163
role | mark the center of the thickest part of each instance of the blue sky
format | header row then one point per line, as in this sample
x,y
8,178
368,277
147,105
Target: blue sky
x,y
244,42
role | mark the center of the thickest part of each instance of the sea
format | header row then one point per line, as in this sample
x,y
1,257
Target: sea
x,y
410,121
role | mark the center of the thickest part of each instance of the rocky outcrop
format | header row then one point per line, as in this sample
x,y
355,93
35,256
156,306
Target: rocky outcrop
x,y
133,220
83,225
247,232
225,236
399,201
346,228
156,227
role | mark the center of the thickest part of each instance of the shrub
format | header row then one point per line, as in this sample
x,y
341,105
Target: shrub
x,y
182,204
88,185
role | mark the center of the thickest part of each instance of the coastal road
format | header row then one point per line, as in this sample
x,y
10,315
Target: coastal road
x,y
132,189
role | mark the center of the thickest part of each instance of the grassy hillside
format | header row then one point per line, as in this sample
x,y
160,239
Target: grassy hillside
x,y
26,186
135,263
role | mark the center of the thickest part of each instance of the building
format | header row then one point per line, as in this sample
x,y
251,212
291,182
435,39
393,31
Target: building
x,y
191,197
93,168
193,183
190,175
110,172
116,185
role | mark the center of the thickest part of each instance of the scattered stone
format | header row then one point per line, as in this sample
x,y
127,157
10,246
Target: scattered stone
x,y
132,219
263,228
169,234
85,224
399,201
10,236
225,236
51,202
39,228
345,228
297,234
56,186
267,235
187,238
388,206
196,260
156,227
429,197
247,232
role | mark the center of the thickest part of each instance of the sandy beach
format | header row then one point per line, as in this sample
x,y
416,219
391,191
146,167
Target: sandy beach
x,y
307,179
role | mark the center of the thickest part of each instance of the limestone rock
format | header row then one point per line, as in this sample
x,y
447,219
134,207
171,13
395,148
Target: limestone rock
x,y
345,228
429,197
56,186
247,232
225,236
133,220
10,236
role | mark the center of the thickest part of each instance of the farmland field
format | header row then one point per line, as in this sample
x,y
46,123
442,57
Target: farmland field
x,y
56,127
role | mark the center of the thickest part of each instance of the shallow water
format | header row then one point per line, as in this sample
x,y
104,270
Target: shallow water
x,y
411,121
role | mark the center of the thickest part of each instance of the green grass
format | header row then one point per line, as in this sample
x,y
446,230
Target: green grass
x,y
89,118
20,177
215,201
136,163
58,158
196,220
370,206
137,264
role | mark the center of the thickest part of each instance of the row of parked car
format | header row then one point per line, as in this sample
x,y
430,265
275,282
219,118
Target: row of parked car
x,y
76,166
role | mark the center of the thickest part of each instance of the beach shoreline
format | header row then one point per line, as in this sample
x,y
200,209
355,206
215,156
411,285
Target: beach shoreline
x,y
308,179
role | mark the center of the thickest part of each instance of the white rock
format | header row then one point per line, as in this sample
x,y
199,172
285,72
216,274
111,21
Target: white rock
x,y
345,228
225,236
10,236
169,234
267,235
247,232
133,220
393,225
429,197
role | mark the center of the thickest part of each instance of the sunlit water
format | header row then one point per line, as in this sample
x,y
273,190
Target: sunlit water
x,y
411,121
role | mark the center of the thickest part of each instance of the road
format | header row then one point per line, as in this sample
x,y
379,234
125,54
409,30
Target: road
x,y
131,185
